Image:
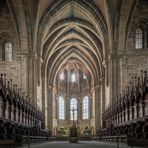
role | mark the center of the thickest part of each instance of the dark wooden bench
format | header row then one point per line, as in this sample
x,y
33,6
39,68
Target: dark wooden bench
x,y
122,138
7,144
143,143
139,143
33,139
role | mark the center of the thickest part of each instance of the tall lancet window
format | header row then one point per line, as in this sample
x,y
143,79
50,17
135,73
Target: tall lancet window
x,y
85,107
73,109
62,76
139,38
61,109
73,77
84,76
8,52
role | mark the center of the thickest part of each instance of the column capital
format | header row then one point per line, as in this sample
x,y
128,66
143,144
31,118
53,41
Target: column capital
x,y
43,76
96,86
40,59
50,87
32,55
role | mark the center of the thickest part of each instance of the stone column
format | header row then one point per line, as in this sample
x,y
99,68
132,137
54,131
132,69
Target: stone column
x,y
23,74
93,111
98,107
49,108
54,111
116,75
44,99
35,82
90,106
103,88
79,107
67,113
32,80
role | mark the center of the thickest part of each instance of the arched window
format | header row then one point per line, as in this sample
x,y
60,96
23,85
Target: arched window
x,y
73,77
85,107
139,38
84,76
73,109
8,51
62,76
61,108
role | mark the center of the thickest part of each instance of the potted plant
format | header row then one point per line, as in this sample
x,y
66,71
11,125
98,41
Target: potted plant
x,y
62,131
87,131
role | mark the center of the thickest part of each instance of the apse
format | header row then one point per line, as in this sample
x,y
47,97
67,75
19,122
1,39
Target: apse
x,y
70,46
73,93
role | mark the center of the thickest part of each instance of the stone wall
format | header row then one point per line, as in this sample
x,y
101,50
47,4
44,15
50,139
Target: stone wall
x,y
15,69
134,60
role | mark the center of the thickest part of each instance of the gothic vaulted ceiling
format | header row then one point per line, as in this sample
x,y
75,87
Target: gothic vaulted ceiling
x,y
60,30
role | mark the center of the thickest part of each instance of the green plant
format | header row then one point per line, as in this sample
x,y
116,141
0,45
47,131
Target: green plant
x,y
87,131
62,131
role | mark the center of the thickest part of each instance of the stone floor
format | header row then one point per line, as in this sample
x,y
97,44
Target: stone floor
x,y
83,144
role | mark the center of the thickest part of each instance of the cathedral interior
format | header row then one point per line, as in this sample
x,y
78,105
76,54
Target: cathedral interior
x,y
73,62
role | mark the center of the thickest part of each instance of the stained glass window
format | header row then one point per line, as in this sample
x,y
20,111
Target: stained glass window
x,y
139,38
8,52
61,108
73,77
73,109
85,107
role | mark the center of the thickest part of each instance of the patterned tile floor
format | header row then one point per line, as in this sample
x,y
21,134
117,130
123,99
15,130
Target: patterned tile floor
x,y
81,144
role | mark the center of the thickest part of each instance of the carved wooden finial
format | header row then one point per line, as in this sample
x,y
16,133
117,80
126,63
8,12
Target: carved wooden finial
x,y
5,79
8,84
18,91
11,83
1,80
135,80
141,76
128,89
23,94
145,77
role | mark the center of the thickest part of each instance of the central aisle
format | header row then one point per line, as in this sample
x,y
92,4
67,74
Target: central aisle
x,y
81,144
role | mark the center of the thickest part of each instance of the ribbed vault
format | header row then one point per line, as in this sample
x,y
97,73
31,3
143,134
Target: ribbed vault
x,y
74,65
72,29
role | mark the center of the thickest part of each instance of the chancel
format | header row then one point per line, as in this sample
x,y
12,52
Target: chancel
x,y
73,71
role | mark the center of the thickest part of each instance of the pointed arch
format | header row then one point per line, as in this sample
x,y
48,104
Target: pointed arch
x,y
73,109
61,108
85,108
